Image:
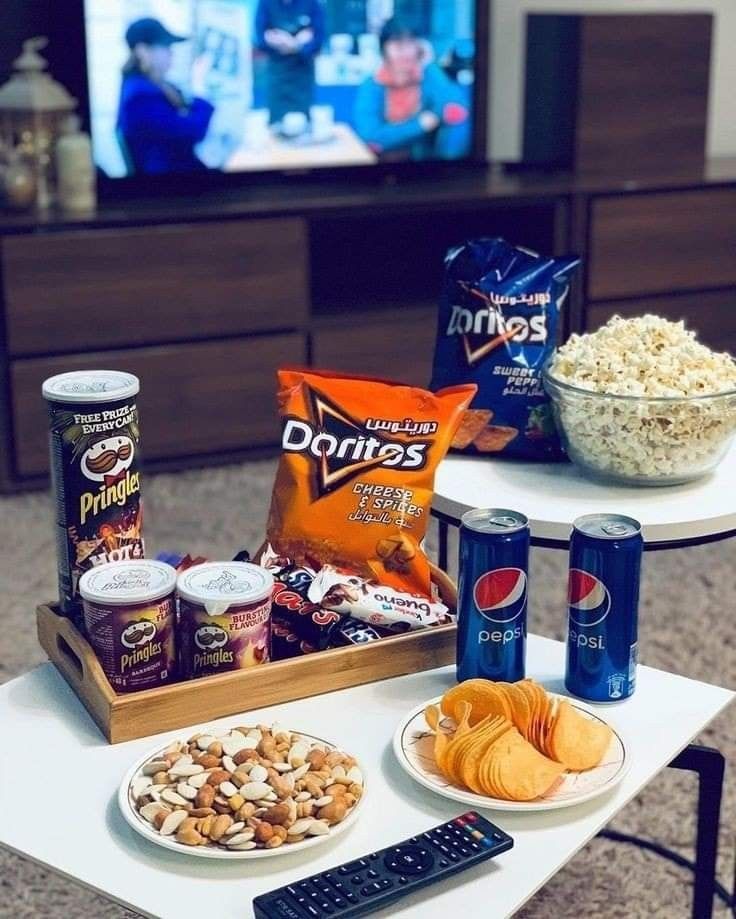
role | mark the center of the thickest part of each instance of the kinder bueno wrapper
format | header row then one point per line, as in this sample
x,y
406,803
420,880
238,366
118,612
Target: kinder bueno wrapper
x,y
376,604
355,481
225,617
497,326
95,452
130,616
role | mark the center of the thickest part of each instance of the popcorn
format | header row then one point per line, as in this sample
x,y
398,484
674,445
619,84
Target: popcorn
x,y
650,358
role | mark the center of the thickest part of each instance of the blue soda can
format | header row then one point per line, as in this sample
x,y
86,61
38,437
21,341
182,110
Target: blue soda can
x,y
603,602
492,594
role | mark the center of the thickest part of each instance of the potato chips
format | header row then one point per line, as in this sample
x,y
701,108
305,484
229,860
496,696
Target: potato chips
x,y
513,741
355,481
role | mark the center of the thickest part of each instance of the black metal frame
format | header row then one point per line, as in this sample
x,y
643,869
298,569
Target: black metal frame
x,y
709,764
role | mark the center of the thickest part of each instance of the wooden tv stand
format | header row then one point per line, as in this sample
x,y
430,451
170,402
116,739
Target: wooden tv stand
x,y
205,297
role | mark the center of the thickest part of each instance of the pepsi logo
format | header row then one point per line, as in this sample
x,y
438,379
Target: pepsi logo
x,y
588,598
500,595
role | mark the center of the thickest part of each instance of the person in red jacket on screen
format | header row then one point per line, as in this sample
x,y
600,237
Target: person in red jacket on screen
x,y
157,126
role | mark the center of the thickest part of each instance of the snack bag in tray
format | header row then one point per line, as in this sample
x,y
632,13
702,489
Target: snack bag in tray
x,y
355,481
497,327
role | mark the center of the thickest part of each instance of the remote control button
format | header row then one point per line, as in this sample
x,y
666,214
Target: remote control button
x,y
376,887
477,834
311,910
373,874
285,910
488,843
358,879
474,846
305,886
464,850
292,890
498,836
326,907
414,839
350,897
352,867
403,880
443,863
471,817
459,821
373,856
409,860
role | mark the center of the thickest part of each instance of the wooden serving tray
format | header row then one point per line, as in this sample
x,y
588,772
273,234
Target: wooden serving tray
x,y
128,716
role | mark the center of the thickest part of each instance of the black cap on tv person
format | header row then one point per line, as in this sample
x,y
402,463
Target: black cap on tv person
x,y
157,126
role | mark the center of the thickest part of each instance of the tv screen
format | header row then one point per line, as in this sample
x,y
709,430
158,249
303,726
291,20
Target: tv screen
x,y
234,86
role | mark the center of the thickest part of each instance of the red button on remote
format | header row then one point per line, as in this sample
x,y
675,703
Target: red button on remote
x,y
471,818
459,821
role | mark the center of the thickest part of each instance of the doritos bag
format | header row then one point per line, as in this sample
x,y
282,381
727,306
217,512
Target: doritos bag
x,y
355,481
497,326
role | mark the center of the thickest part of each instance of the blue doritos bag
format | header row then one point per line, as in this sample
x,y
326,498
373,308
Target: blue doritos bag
x,y
497,326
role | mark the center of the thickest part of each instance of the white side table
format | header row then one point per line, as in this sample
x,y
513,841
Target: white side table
x,y
552,495
89,841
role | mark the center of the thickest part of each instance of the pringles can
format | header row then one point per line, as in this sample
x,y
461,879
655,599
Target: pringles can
x,y
603,603
224,617
130,620
492,595
95,455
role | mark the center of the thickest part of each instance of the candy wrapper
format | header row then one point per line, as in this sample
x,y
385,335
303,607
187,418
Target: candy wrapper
x,y
291,603
376,604
355,481
497,326
285,643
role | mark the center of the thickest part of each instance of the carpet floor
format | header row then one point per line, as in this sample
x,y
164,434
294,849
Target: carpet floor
x,y
686,626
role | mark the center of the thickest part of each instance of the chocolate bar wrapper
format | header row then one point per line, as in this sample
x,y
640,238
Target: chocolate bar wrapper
x,y
291,602
354,632
376,604
285,643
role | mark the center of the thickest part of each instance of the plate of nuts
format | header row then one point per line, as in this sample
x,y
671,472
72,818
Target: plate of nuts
x,y
243,792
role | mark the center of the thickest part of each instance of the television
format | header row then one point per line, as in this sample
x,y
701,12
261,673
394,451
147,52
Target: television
x,y
215,89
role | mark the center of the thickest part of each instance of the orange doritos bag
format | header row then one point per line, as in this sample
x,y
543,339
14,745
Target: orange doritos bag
x,y
355,481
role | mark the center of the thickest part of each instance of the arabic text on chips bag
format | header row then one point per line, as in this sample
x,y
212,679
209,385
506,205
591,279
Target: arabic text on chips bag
x,y
354,485
497,326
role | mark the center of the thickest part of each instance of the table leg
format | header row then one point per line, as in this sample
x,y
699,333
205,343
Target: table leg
x,y
443,529
710,766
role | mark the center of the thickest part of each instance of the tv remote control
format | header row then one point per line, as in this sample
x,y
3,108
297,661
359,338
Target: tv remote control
x,y
372,882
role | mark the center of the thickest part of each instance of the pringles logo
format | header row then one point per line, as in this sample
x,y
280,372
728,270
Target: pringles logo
x,y
343,447
486,328
138,638
108,462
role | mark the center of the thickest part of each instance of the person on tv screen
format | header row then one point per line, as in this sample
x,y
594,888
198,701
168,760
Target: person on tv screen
x,y
291,32
157,127
409,109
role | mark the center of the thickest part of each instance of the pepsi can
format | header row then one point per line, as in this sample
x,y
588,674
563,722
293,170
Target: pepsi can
x,y
603,601
492,593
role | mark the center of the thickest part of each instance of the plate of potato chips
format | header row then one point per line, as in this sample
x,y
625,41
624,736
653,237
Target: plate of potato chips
x,y
510,746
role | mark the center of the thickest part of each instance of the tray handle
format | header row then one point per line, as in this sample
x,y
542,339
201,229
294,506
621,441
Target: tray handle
x,y
78,659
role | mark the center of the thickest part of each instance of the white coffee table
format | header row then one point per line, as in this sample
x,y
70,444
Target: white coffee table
x,y
82,835
552,495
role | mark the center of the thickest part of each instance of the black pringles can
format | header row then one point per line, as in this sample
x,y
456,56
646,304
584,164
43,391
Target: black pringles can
x,y
95,478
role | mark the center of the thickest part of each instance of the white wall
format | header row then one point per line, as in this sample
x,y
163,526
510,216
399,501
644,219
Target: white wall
x,y
506,95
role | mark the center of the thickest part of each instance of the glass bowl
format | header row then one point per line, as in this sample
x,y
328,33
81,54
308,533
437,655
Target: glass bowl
x,y
642,440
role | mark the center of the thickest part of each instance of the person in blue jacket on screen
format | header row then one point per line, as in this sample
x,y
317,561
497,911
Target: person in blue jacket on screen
x,y
157,126
409,109
291,32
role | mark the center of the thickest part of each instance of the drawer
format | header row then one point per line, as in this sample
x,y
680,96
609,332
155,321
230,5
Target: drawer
x,y
711,314
75,291
646,244
195,399
394,346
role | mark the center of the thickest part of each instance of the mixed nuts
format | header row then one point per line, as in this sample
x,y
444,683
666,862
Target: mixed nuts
x,y
253,787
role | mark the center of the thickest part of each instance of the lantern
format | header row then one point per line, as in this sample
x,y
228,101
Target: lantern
x,y
32,108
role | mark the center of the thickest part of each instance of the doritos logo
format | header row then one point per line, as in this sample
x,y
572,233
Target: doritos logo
x,y
484,329
344,447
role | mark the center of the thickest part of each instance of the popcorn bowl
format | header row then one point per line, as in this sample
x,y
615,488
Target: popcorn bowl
x,y
642,440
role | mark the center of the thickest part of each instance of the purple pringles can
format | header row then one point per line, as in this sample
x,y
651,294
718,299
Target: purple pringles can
x,y
603,604
492,595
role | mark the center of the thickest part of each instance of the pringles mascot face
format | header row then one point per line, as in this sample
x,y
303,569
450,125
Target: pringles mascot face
x,y
108,459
